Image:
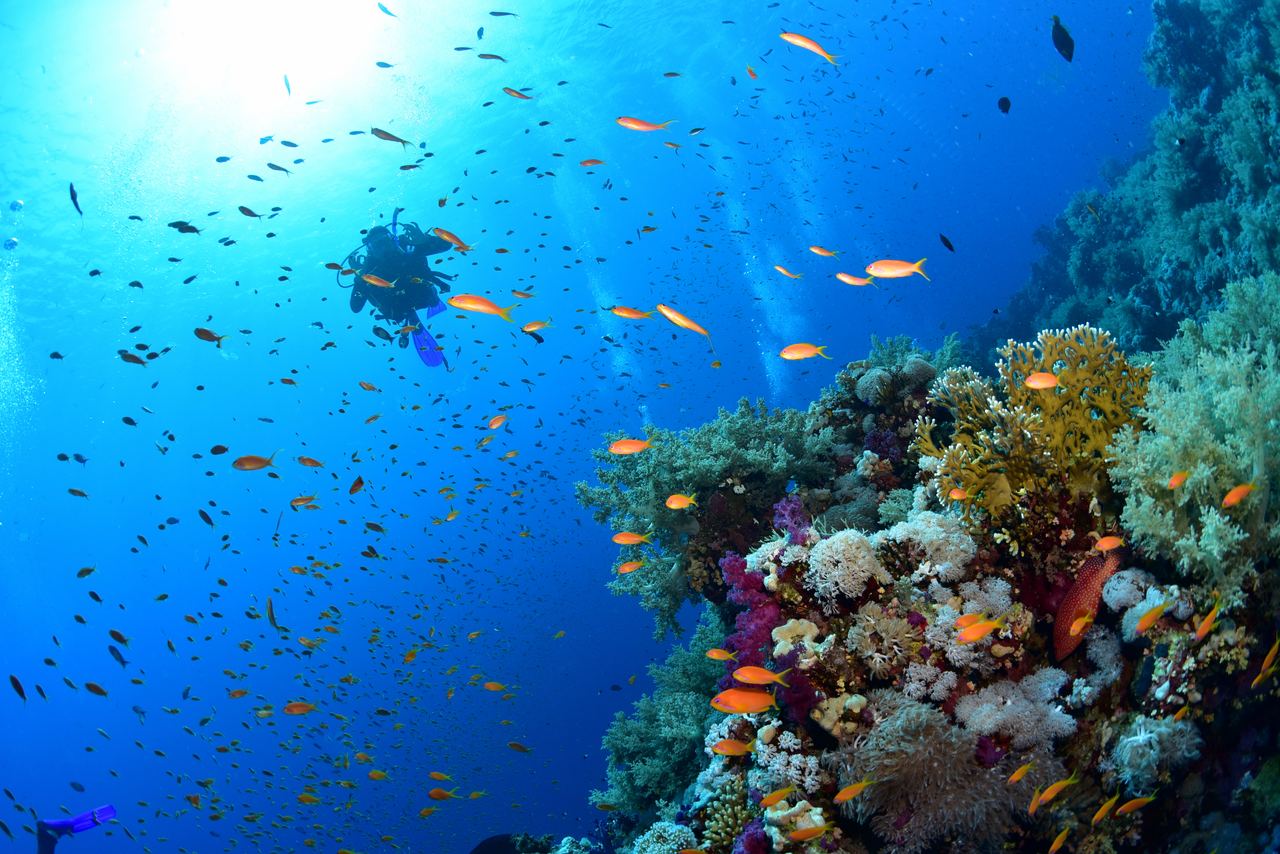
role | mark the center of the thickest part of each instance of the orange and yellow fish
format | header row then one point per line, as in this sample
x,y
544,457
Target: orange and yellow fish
x,y
741,701
480,305
1041,380
852,791
449,236
732,747
784,271
1237,494
1105,810
808,44
624,447
752,675
679,501
631,123
630,538
857,281
888,268
796,352
630,313
680,320
1149,619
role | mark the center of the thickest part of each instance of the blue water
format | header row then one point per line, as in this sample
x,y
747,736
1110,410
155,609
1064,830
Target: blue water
x,y
134,101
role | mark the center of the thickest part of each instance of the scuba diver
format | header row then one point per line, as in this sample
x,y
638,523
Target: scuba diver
x,y
49,832
393,274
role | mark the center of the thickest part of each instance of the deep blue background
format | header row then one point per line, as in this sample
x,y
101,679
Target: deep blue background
x,y
133,102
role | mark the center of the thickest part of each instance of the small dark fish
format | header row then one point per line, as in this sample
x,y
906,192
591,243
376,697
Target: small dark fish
x,y
480,34
1066,46
7,832
117,655
249,212
75,200
535,336
1004,104
141,713
17,687
504,14
490,56
184,227
287,144
287,88
205,517
223,159
80,458
387,11
946,242
381,64
254,177
137,218
77,787
379,332
388,136
279,168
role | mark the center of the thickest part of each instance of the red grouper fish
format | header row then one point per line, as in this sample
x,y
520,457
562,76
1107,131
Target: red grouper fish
x,y
1082,600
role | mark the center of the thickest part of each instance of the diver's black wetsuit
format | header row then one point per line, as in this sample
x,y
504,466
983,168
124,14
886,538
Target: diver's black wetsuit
x,y
406,265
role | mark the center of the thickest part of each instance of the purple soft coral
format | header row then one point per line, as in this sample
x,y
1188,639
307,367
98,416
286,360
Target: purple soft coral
x,y
789,515
753,839
745,587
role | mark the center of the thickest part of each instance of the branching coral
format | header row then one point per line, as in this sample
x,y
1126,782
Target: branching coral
x,y
1011,440
1214,412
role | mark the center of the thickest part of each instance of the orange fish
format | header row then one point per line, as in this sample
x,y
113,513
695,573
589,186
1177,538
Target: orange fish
x,y
591,161
732,747
1016,776
966,620
375,774
494,686
796,352
301,500
210,336
306,798
253,462
481,305
741,701
852,791
356,485
678,501
1148,619
890,269
497,421
627,538
1041,380
1035,802
1237,494
804,834
752,675
854,280
299,708
776,796
518,747
1106,544
824,252
1059,840
979,630
784,271
1177,479
1104,810
1133,805
310,463
808,44
439,775
521,294
1181,713
451,238
717,654
535,326
629,567
515,93
1056,788
640,124
680,320
1206,624
622,447
439,794
630,313
751,72
957,493
1079,624
377,281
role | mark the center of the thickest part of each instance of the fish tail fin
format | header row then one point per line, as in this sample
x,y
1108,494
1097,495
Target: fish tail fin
x,y
505,313
667,122
919,268
831,58
778,678
822,351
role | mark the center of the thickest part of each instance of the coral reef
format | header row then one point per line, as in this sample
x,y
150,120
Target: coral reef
x,y
912,683
1213,413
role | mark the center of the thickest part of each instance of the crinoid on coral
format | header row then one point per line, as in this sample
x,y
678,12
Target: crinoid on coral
x,y
930,790
1010,441
1148,746
1214,414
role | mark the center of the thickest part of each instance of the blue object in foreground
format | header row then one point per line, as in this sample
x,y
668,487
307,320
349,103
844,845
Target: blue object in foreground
x,y
49,832
425,343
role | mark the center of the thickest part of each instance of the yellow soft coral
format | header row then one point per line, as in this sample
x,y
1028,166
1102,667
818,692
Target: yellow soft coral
x,y
1011,441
